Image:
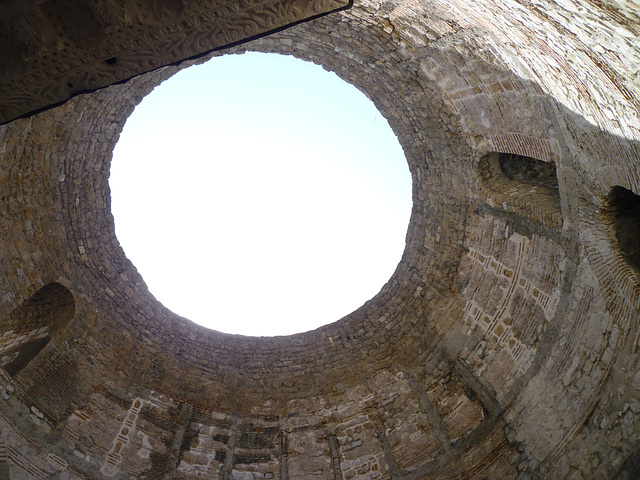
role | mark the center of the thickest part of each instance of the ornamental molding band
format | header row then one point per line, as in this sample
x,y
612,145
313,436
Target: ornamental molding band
x,y
50,52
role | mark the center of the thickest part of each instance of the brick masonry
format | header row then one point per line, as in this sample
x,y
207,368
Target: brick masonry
x,y
504,346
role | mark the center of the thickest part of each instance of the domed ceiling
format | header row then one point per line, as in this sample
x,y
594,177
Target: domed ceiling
x,y
504,345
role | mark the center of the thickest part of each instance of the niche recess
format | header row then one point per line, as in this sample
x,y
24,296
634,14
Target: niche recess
x,y
525,185
624,207
28,329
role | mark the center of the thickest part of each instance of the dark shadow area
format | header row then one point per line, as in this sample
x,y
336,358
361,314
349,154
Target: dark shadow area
x,y
30,326
522,185
630,468
624,207
527,170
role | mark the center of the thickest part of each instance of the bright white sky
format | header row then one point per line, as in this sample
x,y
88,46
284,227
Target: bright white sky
x,y
261,195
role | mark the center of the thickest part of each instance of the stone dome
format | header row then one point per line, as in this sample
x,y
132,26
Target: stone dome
x,y
505,345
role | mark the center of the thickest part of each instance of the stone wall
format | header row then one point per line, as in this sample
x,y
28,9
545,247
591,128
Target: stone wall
x,y
504,345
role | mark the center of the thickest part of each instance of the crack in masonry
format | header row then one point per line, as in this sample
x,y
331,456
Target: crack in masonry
x,y
433,415
227,467
392,463
184,421
334,451
483,391
284,455
527,225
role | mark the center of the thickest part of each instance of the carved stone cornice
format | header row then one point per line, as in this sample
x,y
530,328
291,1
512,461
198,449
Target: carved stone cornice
x,y
52,50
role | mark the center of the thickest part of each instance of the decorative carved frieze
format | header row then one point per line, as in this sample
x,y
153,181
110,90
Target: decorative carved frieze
x,y
52,50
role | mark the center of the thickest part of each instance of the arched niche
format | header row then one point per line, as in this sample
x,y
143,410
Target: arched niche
x,y
522,184
28,329
624,208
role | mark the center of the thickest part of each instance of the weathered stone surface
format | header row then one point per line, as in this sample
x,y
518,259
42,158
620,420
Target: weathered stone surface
x,y
504,346
51,50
